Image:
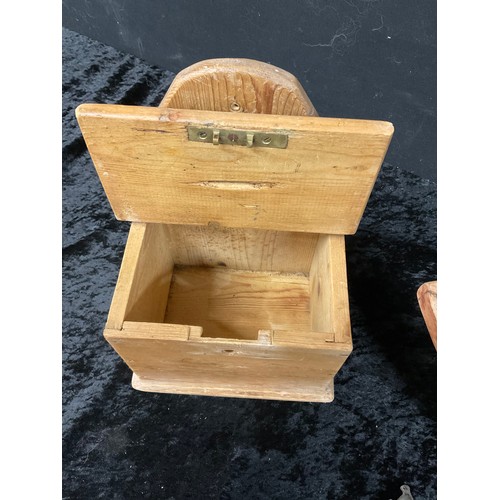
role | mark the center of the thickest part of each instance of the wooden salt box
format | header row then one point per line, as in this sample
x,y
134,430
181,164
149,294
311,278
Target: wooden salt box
x,y
233,280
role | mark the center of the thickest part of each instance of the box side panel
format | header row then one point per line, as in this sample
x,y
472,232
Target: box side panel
x,y
329,299
141,291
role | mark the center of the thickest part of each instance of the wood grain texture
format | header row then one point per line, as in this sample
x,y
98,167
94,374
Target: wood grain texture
x,y
141,291
271,349
152,173
238,85
245,249
328,289
223,367
246,86
286,388
427,299
226,287
237,304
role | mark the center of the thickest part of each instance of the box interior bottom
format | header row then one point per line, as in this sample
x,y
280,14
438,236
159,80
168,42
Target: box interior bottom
x,y
231,303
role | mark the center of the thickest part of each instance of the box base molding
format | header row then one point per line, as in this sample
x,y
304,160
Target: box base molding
x,y
318,391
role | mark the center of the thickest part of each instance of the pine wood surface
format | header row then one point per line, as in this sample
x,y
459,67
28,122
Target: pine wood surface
x,y
238,85
151,172
328,289
142,287
236,304
227,287
229,332
238,248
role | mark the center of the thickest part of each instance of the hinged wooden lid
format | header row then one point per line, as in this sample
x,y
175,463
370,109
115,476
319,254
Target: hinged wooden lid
x,y
152,172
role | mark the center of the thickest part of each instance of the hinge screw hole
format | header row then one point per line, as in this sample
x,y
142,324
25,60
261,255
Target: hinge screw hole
x,y
235,106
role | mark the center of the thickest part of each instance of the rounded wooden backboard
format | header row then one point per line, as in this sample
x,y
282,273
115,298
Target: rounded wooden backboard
x,y
238,85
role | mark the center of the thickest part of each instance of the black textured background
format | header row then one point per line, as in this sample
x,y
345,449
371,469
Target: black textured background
x,y
379,433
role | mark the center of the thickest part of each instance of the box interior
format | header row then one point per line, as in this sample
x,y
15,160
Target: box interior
x,y
235,303
231,282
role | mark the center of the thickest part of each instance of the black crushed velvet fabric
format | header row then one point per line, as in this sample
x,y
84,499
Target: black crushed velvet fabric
x,y
379,433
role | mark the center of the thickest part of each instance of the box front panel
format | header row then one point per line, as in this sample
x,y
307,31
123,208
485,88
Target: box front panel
x,y
229,368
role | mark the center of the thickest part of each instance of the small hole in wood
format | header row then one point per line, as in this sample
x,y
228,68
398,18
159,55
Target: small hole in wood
x,y
235,106
229,351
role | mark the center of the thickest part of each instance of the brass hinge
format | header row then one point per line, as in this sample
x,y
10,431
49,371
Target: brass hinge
x,y
238,137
